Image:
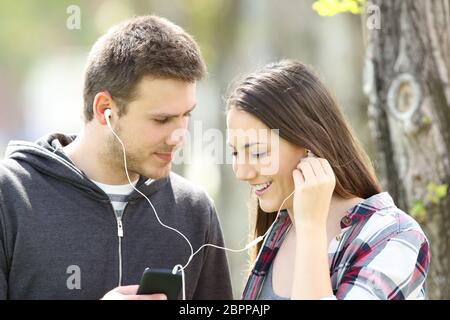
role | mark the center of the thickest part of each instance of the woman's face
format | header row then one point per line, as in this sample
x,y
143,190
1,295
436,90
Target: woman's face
x,y
263,159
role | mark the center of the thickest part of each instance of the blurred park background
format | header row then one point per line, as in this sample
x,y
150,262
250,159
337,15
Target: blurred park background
x,y
42,63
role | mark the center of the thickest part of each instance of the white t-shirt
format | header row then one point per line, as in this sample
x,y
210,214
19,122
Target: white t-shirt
x,y
118,194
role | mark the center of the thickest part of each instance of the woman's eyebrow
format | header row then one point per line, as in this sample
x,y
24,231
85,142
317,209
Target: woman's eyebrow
x,y
250,144
247,145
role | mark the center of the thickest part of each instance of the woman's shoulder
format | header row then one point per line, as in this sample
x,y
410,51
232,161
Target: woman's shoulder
x,y
384,220
386,254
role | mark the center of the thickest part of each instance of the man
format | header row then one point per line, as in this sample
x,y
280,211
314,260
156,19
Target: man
x,y
71,226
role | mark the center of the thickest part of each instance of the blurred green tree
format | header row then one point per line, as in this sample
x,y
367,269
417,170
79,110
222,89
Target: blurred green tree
x,y
407,74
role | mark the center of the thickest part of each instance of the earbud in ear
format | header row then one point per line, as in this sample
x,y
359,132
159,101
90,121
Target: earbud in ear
x,y
107,114
309,154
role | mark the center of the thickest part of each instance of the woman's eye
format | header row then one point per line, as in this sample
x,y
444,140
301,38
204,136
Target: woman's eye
x,y
259,155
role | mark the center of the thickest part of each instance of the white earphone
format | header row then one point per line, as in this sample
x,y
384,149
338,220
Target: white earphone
x,y
107,114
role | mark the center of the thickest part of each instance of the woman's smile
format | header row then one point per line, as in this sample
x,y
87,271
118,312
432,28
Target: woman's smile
x,y
261,188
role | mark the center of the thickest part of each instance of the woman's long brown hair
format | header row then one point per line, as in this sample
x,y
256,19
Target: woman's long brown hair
x,y
290,97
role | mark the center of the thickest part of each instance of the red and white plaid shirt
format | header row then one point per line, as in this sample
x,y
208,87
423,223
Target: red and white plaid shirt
x,y
381,253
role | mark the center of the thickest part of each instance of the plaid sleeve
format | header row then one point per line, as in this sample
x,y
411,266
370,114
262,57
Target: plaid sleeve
x,y
394,267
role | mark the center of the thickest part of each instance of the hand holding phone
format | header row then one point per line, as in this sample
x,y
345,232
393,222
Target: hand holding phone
x,y
156,280
129,293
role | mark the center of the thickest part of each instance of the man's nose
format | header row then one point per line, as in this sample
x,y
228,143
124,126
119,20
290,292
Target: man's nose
x,y
177,135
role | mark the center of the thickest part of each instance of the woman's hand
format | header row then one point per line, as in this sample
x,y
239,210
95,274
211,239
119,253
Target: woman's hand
x,y
314,185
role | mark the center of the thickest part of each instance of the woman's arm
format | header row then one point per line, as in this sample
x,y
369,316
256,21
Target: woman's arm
x,y
312,274
314,186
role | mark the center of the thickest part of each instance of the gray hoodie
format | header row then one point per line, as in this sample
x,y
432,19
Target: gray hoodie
x,y
59,235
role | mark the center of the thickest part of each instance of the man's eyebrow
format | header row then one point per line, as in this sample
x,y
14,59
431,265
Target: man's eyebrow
x,y
170,115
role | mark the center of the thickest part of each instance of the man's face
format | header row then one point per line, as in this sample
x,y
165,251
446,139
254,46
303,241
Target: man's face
x,y
153,126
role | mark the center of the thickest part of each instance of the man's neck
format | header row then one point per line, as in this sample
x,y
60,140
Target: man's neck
x,y
88,155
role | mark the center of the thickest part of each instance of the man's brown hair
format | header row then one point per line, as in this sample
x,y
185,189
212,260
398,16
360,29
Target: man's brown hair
x,y
141,46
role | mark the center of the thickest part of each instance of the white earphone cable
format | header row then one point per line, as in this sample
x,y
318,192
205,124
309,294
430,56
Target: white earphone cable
x,y
179,267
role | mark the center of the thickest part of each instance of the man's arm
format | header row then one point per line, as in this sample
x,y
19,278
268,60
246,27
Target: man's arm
x,y
3,261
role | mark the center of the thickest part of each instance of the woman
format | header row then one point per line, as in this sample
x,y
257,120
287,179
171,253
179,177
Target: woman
x,y
330,231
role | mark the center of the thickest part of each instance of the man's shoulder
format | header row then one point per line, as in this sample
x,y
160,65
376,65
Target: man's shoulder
x,y
10,168
13,176
185,189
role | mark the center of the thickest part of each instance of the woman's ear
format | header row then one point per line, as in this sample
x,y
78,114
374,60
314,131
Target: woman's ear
x,y
309,154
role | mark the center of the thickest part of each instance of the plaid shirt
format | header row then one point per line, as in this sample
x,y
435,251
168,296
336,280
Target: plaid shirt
x,y
381,253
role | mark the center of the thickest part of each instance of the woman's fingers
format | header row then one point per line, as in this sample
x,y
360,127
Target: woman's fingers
x,y
316,169
307,170
317,166
299,179
327,168
316,172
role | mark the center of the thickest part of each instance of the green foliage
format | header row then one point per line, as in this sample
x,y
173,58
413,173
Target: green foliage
x,y
206,20
436,192
30,29
418,211
33,29
333,7
425,120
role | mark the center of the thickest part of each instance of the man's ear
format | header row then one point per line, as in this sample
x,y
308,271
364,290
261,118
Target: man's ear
x,y
102,101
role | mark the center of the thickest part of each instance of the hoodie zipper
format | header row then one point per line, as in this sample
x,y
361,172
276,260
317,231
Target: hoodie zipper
x,y
119,222
120,236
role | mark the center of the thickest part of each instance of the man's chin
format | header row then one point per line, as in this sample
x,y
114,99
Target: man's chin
x,y
157,173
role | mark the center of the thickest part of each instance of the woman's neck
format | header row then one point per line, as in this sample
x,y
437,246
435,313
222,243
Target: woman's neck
x,y
338,209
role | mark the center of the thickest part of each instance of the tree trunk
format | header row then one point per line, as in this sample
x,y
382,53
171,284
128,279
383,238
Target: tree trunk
x,y
407,81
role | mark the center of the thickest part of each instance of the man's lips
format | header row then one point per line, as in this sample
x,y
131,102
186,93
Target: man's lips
x,y
165,156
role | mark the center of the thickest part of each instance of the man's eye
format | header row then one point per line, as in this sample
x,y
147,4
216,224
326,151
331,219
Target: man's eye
x,y
162,121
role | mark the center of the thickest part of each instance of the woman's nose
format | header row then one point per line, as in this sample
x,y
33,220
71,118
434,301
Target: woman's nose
x,y
244,171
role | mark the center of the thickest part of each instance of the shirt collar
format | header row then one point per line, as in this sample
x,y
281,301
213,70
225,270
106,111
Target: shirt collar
x,y
365,209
